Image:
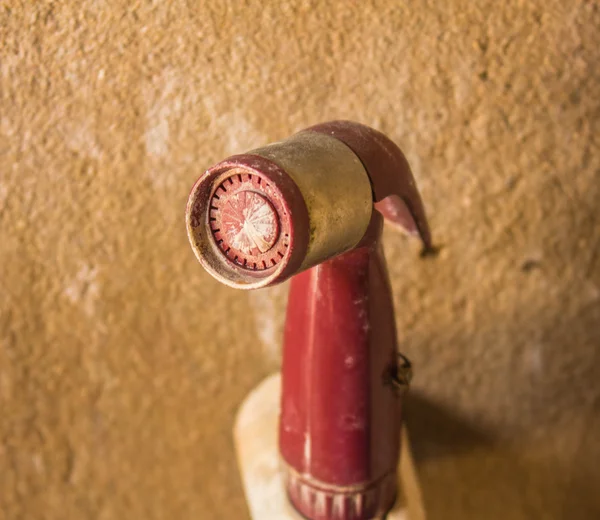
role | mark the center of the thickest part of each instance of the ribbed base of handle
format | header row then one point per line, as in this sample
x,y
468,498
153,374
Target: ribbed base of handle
x,y
320,501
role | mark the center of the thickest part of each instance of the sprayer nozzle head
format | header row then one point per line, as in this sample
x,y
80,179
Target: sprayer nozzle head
x,y
240,222
258,218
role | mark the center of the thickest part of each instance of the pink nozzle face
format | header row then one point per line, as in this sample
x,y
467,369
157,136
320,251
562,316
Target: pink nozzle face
x,y
245,222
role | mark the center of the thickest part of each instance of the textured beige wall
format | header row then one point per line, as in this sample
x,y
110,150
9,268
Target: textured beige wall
x,y
122,362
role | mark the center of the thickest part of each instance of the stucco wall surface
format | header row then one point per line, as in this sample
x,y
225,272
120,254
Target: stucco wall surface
x,y
122,362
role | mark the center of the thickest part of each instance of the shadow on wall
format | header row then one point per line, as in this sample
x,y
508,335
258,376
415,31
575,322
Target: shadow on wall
x,y
465,472
535,366
436,432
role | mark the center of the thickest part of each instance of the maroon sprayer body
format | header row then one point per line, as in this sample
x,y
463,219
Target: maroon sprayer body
x,y
342,375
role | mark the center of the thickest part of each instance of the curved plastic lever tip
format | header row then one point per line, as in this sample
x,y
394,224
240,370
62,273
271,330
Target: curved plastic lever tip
x,y
394,188
395,211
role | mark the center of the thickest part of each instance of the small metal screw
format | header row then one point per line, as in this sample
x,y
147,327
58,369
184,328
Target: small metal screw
x,y
400,375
